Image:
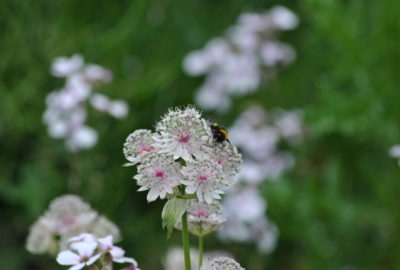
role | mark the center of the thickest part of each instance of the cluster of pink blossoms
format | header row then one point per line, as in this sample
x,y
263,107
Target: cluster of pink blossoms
x,y
67,216
65,115
248,54
258,134
182,156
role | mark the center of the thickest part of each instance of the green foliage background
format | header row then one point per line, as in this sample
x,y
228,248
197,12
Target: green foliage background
x,y
338,209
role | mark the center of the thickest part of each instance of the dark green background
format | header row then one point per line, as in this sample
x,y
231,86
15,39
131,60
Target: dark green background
x,y
338,208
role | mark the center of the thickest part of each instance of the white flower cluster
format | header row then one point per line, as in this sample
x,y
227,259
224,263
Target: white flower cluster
x,y
174,259
67,216
65,115
203,218
86,249
222,263
258,133
182,153
237,63
394,152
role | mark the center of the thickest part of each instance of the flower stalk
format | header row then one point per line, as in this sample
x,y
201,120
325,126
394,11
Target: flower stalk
x,y
185,242
200,251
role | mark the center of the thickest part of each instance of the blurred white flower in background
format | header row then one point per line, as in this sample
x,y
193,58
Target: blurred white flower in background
x,y
394,152
258,134
65,115
175,261
237,63
65,67
222,263
67,216
86,249
283,18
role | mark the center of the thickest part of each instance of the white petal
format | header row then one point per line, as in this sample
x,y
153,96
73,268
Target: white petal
x,y
191,189
207,197
67,257
106,242
152,195
117,252
125,260
84,248
77,267
143,188
199,195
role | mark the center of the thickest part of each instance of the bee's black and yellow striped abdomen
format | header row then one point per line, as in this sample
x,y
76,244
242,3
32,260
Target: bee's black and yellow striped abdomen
x,y
220,134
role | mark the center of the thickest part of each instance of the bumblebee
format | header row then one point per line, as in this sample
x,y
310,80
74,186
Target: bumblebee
x,y
220,134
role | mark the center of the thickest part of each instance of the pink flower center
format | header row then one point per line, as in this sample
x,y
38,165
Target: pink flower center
x,y
203,177
183,137
219,161
201,213
68,221
146,148
159,174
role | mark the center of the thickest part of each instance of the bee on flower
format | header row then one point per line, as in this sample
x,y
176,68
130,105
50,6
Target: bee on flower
x,y
182,157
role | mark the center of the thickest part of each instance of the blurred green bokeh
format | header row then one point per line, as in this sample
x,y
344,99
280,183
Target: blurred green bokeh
x,y
338,208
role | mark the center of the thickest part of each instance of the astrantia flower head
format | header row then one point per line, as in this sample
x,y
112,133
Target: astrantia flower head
x,y
223,263
203,218
159,174
204,178
183,134
67,213
67,217
228,156
138,145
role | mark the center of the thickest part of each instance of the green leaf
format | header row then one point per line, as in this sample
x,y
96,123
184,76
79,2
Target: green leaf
x,y
172,212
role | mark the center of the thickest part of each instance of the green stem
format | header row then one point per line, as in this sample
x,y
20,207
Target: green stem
x,y
200,251
185,241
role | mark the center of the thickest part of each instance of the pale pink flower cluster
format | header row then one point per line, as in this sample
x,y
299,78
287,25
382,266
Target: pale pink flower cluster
x,y
182,153
86,249
257,133
237,63
203,218
65,115
67,216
